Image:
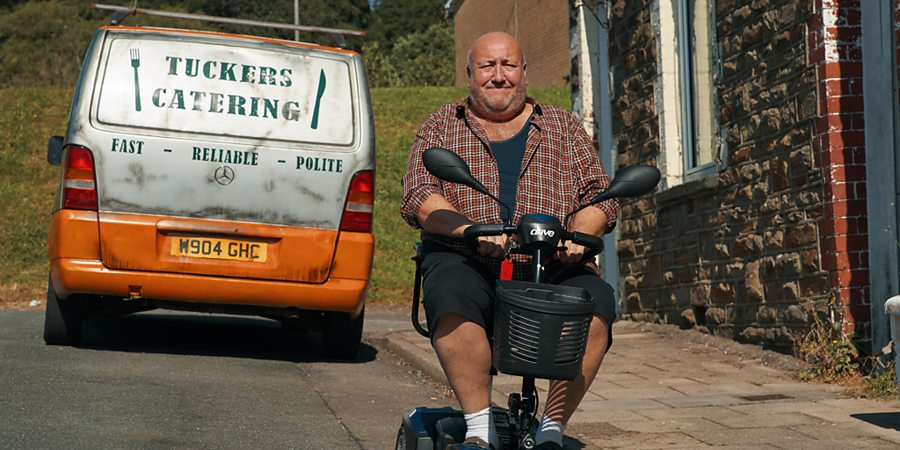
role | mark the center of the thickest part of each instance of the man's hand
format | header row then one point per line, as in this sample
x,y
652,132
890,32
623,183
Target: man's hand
x,y
571,255
591,220
494,246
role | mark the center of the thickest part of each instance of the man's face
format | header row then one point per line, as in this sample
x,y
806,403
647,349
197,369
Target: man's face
x,y
497,77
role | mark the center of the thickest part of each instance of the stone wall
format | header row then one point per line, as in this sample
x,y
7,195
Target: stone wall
x,y
752,250
541,27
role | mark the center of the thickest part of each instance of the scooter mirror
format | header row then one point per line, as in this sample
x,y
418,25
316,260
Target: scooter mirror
x,y
448,166
630,181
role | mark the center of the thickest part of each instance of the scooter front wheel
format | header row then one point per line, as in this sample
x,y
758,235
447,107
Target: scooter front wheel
x,y
404,435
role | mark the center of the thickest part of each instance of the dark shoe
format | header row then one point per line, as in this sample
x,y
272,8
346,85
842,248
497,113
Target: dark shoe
x,y
472,443
548,446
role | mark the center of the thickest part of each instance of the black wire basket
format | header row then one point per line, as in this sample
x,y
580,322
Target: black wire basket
x,y
541,330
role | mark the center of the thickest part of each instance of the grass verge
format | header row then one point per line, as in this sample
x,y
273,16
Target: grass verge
x,y
27,186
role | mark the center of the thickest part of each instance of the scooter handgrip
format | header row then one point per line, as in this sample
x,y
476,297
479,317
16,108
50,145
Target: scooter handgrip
x,y
593,243
471,233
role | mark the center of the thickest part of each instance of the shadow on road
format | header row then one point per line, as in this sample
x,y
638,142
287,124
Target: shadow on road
x,y
889,420
209,335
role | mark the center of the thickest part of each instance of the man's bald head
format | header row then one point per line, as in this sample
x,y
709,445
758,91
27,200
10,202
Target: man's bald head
x,y
491,39
496,70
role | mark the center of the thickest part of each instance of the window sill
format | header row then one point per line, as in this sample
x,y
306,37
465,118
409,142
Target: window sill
x,y
688,190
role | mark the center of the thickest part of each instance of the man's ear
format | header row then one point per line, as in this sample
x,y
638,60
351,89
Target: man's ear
x,y
468,71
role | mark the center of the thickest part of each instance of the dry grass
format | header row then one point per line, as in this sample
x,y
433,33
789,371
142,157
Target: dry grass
x,y
21,296
829,356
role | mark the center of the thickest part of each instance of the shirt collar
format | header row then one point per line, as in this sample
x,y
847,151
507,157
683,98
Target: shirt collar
x,y
463,106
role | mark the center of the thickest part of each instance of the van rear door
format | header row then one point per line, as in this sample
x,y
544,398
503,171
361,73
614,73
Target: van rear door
x,y
223,156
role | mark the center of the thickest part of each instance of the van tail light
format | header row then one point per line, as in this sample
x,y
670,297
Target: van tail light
x,y
79,183
360,203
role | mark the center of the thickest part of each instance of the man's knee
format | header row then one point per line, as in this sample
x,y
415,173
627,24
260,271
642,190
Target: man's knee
x,y
600,332
457,326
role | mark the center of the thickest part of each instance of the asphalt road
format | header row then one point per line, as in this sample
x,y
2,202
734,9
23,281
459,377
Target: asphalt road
x,y
162,380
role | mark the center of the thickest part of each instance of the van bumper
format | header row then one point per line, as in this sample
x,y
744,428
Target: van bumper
x,y
85,276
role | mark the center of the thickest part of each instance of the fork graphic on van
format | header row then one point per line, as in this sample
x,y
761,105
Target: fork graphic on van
x,y
135,63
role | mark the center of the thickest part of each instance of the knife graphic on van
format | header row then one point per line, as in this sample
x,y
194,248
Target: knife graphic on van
x,y
315,117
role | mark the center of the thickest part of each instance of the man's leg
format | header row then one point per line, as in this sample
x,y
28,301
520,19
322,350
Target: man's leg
x,y
565,396
458,300
462,347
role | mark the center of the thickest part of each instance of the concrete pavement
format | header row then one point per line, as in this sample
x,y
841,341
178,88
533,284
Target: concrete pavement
x,y
660,387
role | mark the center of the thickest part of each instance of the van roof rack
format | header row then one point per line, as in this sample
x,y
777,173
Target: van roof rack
x,y
120,13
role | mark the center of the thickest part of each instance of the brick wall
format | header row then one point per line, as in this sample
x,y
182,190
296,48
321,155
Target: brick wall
x,y
541,26
835,50
753,250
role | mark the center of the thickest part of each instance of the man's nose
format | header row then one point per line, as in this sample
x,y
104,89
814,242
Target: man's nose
x,y
497,75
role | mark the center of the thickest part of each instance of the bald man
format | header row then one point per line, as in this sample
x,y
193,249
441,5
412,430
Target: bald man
x,y
536,159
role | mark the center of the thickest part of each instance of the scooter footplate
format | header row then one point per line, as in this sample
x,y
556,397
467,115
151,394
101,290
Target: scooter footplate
x,y
418,429
436,428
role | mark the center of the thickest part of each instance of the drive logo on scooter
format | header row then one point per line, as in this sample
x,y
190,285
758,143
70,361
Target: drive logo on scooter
x,y
540,232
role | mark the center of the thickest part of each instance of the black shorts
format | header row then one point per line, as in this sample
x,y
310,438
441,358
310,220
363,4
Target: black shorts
x,y
454,283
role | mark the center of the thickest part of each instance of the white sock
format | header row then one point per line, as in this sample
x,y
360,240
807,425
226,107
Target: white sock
x,y
549,431
481,425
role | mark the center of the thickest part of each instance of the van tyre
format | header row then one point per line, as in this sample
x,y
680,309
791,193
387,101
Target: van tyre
x,y
62,319
342,335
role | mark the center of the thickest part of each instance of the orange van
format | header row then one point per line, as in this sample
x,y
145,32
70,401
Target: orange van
x,y
214,173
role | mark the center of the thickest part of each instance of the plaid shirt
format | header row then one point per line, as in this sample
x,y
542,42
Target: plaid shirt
x,y
560,171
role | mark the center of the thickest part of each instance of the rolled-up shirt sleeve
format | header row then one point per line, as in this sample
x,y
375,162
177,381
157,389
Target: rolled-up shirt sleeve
x,y
417,183
592,178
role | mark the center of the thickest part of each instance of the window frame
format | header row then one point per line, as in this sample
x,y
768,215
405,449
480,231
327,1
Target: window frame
x,y
693,144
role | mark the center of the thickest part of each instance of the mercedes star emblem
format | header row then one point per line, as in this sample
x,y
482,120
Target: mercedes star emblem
x,y
224,175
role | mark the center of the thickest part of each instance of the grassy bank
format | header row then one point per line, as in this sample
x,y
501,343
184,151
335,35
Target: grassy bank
x,y
27,183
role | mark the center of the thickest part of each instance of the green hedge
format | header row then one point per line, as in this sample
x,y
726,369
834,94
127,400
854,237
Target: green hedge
x,y
42,42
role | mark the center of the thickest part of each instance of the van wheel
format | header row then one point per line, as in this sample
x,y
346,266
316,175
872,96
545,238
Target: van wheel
x,y
342,335
62,319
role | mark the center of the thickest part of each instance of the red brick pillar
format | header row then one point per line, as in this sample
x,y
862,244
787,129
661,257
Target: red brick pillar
x,y
835,51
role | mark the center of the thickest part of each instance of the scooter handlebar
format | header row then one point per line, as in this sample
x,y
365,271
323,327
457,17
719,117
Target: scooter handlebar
x,y
593,243
473,232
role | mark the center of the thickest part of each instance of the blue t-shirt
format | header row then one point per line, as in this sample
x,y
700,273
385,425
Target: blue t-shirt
x,y
509,154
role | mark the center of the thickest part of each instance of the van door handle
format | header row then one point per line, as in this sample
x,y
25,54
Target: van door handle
x,y
258,231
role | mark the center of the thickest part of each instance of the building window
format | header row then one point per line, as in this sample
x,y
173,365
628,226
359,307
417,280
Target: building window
x,y
686,90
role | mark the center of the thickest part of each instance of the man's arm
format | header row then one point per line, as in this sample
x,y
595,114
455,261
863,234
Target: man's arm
x,y
438,216
591,176
591,220
423,204
418,184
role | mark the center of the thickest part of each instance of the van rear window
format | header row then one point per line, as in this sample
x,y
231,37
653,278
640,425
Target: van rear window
x,y
198,87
